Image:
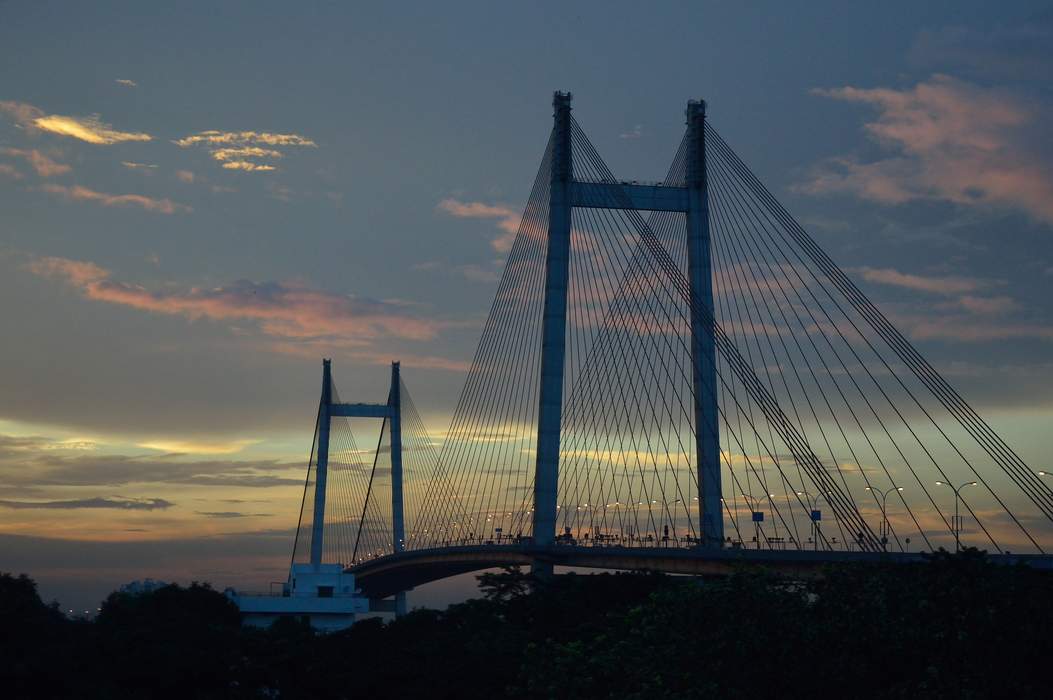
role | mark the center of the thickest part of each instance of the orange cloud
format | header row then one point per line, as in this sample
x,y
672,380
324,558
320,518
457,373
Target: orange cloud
x,y
213,137
77,272
90,129
76,192
508,220
247,166
185,176
234,148
223,154
198,447
44,166
954,141
282,310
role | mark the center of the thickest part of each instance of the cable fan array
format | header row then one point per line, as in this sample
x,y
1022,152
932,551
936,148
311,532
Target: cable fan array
x,y
834,431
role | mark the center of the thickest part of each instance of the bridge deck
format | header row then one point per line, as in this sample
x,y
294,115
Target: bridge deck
x,y
390,574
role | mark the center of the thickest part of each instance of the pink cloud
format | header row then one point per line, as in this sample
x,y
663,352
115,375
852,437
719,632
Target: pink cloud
x,y
934,285
987,305
507,218
44,166
78,193
23,114
289,311
78,273
9,170
952,141
963,328
948,320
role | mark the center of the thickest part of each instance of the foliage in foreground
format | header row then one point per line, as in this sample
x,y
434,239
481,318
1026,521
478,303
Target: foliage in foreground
x,y
955,627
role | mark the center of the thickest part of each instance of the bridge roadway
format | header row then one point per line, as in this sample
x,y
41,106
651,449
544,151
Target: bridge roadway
x,y
387,575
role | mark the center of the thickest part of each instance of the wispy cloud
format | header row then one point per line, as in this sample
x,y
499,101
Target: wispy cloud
x,y
963,328
8,170
185,176
282,309
33,461
962,315
44,166
240,138
79,193
634,133
235,149
126,83
229,514
90,129
507,218
964,290
118,503
248,166
935,284
198,447
952,141
142,167
21,112
987,305
225,154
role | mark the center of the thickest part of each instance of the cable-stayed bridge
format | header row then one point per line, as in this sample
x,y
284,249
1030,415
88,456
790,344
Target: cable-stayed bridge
x,y
672,376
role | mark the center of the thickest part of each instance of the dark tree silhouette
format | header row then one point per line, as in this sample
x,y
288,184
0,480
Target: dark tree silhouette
x,y
956,626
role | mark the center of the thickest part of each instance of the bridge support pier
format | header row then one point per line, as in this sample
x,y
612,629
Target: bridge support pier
x,y
554,324
321,468
703,351
398,521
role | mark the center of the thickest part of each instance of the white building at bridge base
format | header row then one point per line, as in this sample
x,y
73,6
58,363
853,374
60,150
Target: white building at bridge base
x,y
322,595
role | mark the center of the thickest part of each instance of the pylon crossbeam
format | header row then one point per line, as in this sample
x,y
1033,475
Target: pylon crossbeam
x,y
603,195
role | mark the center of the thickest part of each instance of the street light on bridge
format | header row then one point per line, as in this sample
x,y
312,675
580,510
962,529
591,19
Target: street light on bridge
x,y
816,516
757,516
957,523
884,513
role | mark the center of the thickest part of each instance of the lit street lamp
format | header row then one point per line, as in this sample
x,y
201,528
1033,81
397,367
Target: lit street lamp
x,y
957,519
884,514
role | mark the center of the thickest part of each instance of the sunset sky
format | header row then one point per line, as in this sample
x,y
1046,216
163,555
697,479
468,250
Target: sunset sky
x,y
198,203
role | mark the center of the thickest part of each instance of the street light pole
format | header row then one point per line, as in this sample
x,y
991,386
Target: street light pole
x,y
957,519
884,514
813,506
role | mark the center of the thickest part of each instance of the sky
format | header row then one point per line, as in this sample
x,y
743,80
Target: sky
x,y
198,203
